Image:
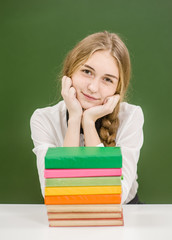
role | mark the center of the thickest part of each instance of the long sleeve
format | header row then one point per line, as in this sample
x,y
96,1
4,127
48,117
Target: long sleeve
x,y
48,128
130,139
42,140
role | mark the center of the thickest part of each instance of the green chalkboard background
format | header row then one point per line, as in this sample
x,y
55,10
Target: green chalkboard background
x,y
34,38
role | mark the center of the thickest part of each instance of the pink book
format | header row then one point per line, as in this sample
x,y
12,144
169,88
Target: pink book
x,y
95,172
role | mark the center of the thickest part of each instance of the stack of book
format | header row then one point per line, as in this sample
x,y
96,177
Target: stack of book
x,y
83,186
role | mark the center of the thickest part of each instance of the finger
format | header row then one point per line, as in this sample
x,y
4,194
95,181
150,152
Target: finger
x,y
72,92
63,84
113,99
66,84
63,81
111,102
116,99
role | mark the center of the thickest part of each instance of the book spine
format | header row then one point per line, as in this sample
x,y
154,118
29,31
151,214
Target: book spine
x,y
84,208
52,191
83,163
85,215
84,223
83,199
96,181
67,173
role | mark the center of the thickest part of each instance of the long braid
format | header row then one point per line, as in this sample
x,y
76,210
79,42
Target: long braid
x,y
108,130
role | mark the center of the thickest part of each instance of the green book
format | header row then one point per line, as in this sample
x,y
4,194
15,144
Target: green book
x,y
85,181
83,157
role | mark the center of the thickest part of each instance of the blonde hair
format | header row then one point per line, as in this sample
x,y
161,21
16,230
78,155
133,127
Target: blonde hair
x,y
80,54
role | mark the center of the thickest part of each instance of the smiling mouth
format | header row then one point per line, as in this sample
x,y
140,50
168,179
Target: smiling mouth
x,y
89,97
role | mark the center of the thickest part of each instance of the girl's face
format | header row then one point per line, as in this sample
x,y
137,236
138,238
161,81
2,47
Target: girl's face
x,y
96,79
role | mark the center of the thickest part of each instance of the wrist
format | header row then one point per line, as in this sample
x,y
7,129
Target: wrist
x,y
74,120
75,116
90,133
87,122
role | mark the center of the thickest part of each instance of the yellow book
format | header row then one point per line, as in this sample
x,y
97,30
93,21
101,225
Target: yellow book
x,y
52,191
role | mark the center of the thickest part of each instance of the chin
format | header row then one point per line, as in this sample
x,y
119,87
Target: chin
x,y
86,105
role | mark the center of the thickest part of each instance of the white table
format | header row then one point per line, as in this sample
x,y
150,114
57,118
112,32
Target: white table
x,y
140,222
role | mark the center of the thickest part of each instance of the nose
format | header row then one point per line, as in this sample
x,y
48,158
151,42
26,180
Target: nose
x,y
93,85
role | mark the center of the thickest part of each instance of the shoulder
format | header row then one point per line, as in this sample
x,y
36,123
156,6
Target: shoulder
x,y
129,108
49,113
130,113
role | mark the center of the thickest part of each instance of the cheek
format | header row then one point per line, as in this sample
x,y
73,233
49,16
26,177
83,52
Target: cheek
x,y
113,90
78,82
75,81
108,92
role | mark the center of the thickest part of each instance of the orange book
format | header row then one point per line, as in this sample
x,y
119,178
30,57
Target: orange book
x,y
83,199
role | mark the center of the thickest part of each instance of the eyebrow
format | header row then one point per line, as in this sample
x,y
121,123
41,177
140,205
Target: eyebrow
x,y
109,75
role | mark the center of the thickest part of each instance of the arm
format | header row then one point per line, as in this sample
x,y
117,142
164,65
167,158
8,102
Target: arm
x,y
73,133
72,136
90,133
42,140
130,139
91,115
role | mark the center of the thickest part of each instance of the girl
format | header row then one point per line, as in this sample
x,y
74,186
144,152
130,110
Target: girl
x,y
96,74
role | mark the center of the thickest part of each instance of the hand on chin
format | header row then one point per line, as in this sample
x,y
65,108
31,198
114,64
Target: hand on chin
x,y
98,111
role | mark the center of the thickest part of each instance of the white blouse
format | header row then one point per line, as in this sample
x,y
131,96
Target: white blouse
x,y
49,126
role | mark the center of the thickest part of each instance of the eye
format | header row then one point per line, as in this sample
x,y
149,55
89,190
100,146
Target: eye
x,y
108,80
86,71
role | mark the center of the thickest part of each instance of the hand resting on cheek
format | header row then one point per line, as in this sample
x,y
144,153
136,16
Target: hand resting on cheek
x,y
69,95
92,114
